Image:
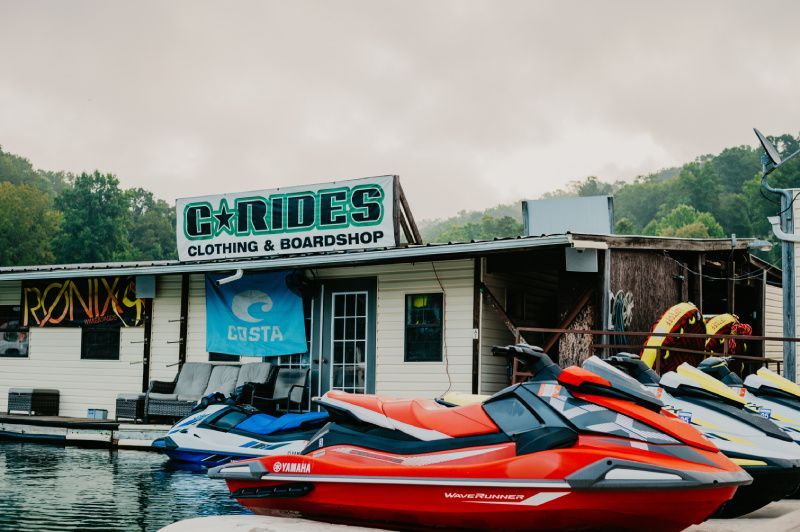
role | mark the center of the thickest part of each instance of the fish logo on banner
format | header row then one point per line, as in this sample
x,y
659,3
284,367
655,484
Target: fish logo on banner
x,y
258,315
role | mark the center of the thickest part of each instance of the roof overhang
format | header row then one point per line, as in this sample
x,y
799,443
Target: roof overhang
x,y
358,258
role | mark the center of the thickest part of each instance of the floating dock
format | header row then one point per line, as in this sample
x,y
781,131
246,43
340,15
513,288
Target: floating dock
x,y
80,431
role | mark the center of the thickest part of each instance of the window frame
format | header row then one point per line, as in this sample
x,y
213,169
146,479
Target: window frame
x,y
406,326
89,329
19,329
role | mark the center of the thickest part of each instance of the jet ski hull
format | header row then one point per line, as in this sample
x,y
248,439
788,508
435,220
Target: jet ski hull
x,y
769,484
583,487
215,435
470,508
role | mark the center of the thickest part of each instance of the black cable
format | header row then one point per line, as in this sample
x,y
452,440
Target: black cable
x,y
751,275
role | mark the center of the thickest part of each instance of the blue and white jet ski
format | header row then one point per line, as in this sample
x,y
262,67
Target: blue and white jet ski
x,y
221,433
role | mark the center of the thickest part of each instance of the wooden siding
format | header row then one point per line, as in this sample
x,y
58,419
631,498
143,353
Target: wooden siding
x,y
540,293
650,277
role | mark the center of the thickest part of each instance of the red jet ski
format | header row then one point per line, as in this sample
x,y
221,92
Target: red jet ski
x,y
564,451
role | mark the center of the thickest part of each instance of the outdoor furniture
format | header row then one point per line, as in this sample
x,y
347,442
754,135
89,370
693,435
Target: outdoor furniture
x,y
289,389
254,379
130,406
175,399
197,380
33,401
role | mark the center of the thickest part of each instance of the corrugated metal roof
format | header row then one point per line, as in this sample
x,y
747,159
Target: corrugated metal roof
x,y
349,258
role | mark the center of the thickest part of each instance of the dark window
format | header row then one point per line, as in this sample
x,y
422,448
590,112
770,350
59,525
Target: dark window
x,y
511,415
100,343
13,337
222,357
424,313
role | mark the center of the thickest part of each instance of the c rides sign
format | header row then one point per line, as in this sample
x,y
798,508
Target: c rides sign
x,y
346,215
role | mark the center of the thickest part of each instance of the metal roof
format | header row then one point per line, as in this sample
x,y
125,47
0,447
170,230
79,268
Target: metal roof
x,y
411,253
348,258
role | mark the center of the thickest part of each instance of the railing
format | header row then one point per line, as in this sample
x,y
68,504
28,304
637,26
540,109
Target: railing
x,y
606,345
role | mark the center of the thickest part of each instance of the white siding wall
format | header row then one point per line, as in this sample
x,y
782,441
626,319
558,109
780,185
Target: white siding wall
x,y
393,375
773,320
54,361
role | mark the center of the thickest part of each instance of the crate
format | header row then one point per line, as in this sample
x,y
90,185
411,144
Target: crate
x,y
97,413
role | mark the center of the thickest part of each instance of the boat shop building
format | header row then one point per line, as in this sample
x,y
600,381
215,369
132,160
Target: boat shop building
x,y
361,309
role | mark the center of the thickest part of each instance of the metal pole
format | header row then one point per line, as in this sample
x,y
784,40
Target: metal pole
x,y
787,265
788,278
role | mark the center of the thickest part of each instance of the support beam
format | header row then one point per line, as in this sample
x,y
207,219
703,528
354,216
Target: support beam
x,y
477,279
184,318
148,334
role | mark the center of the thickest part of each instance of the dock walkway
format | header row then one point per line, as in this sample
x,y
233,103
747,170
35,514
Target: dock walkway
x,y
79,431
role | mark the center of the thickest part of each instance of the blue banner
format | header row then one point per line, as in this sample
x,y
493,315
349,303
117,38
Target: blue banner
x,y
258,315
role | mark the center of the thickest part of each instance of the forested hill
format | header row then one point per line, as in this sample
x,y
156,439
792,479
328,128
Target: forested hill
x,y
57,217
712,196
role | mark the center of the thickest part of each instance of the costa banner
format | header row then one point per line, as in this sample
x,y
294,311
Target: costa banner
x,y
346,215
258,315
77,302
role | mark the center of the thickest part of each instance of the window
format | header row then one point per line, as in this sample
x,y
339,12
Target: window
x,y
13,337
100,343
299,360
424,327
222,357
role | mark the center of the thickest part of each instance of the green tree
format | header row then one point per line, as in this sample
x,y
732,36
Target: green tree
x,y
151,227
487,228
685,221
28,225
624,226
95,220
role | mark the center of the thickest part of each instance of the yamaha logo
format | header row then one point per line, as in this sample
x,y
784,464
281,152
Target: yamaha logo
x,y
291,467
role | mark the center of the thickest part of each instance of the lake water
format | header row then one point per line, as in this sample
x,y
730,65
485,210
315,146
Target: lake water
x,y
48,487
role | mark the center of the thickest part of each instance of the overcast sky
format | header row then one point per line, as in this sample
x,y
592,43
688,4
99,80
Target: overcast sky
x,y
471,103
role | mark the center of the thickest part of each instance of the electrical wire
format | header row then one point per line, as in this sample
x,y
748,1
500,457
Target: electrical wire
x,y
791,203
751,275
444,333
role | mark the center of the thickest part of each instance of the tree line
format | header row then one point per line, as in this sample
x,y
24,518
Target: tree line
x,y
59,217
713,196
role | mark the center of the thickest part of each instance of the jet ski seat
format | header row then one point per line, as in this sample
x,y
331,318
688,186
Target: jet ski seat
x,y
263,424
427,414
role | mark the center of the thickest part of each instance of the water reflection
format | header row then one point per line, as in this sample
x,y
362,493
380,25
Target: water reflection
x,y
46,487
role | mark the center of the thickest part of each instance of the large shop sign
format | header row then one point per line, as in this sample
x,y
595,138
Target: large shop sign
x,y
77,302
345,215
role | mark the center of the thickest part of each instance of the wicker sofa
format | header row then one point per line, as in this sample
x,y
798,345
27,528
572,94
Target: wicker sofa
x,y
175,399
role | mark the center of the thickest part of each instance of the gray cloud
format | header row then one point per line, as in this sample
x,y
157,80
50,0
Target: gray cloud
x,y
470,102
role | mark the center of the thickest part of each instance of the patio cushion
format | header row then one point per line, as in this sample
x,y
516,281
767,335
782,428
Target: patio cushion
x,y
257,372
164,396
223,380
189,398
193,378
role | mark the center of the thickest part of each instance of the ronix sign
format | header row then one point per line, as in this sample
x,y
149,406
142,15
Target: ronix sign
x,y
354,214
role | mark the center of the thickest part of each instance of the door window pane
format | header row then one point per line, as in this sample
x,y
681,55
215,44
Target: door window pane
x,y
349,341
424,315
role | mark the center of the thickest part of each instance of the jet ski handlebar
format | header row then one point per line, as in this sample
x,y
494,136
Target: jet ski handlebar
x,y
535,360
